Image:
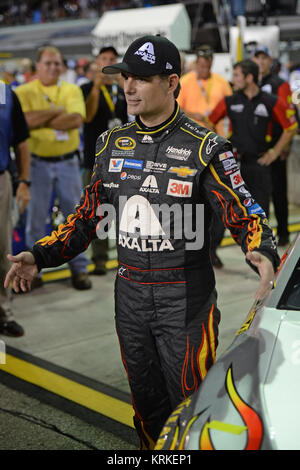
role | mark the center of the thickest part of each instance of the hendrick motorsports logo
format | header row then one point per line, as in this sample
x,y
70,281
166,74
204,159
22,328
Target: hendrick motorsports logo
x,y
178,153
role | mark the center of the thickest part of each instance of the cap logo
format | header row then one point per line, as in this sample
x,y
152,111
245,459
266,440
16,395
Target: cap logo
x,y
169,66
146,51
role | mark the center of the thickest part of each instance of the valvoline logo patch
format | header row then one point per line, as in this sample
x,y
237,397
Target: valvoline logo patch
x,y
125,143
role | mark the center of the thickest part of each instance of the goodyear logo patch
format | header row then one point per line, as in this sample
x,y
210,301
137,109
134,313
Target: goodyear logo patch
x,y
125,143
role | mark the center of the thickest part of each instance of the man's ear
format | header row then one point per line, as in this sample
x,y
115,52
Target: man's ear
x,y
173,82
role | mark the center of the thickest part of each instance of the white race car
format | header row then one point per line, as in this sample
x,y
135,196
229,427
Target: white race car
x,y
250,398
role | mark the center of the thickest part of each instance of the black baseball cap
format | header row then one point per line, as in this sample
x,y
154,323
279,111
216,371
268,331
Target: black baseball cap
x,y
147,56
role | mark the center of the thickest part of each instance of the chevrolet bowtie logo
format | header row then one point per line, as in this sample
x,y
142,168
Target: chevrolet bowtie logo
x,y
182,171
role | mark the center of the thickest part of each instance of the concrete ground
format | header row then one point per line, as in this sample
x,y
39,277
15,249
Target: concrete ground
x,y
70,339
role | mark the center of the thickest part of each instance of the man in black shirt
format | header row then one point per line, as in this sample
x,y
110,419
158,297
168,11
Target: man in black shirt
x,y
105,108
13,133
272,83
252,113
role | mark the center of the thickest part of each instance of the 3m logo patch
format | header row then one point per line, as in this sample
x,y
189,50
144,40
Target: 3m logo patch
x,y
179,188
236,179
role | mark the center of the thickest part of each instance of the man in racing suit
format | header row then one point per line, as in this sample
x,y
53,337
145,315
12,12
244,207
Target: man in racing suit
x,y
163,174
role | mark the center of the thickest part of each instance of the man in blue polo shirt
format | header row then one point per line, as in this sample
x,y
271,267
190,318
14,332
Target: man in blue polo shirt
x,y
11,120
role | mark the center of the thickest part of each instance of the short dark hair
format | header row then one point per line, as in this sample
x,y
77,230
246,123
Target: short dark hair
x,y
108,48
248,68
178,88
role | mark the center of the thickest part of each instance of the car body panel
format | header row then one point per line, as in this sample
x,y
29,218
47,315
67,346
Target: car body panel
x,y
249,398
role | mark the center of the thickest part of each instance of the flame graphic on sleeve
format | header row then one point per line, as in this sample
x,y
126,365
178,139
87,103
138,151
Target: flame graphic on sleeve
x,y
252,421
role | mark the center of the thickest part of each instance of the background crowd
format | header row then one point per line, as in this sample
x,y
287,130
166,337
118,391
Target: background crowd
x,y
18,12
15,12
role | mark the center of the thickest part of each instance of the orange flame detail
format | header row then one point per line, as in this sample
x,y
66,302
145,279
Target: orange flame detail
x,y
187,359
251,419
249,416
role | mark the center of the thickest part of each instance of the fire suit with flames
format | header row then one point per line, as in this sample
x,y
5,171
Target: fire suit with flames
x,y
163,183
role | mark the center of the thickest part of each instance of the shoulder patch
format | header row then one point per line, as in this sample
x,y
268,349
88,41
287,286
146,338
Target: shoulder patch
x,y
209,147
102,141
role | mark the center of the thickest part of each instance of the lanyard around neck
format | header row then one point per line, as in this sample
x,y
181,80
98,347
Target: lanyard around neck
x,y
205,92
111,101
46,97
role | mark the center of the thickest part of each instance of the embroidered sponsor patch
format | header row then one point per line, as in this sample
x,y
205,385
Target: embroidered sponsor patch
x,y
255,209
236,179
179,188
136,164
244,191
183,171
149,185
224,155
229,165
115,164
125,143
211,144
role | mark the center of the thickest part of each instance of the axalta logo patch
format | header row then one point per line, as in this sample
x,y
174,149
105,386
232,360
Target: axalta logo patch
x,y
146,51
150,185
125,143
179,188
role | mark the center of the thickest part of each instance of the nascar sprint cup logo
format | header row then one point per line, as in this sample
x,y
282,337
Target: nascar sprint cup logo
x,y
152,227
